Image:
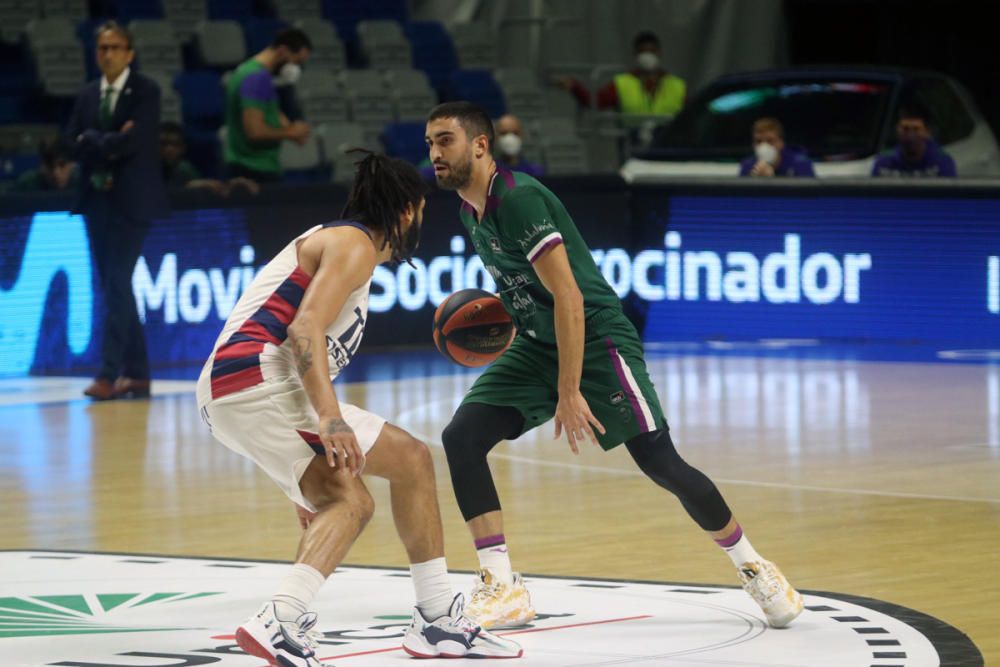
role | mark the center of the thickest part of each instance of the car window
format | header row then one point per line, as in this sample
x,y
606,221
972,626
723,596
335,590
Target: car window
x,y
949,118
831,120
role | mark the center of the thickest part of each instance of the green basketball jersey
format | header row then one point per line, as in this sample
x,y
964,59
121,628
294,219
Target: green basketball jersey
x,y
523,220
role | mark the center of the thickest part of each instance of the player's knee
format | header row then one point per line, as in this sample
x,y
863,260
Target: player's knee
x,y
657,457
414,458
456,439
360,503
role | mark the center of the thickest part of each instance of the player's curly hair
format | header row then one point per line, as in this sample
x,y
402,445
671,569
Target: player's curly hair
x,y
383,187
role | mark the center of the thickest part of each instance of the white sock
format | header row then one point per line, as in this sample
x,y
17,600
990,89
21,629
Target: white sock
x,y
296,592
432,587
493,556
742,552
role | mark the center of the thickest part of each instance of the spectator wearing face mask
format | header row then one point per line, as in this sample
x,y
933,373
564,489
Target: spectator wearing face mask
x,y
916,153
646,90
509,142
56,173
772,157
255,125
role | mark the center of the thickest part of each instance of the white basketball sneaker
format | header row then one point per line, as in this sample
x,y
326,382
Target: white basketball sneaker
x,y
768,587
494,604
455,636
281,643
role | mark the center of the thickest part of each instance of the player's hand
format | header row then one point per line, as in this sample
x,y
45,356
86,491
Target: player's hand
x,y
574,416
305,516
341,445
762,169
298,132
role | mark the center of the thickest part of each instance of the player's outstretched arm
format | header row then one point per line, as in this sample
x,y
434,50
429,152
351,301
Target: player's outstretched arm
x,y
572,411
340,260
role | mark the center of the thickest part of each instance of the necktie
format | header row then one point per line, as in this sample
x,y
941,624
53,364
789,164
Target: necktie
x,y
101,178
104,113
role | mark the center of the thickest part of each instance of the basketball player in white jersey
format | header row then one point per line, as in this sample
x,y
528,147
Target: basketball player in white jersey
x,y
266,392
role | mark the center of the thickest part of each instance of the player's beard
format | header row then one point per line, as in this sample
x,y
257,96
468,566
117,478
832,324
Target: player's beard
x,y
458,175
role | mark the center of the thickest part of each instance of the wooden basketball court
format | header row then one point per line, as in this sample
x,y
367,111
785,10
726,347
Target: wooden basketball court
x,y
871,479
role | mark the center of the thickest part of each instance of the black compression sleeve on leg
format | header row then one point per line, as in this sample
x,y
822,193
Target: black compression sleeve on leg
x,y
656,456
474,430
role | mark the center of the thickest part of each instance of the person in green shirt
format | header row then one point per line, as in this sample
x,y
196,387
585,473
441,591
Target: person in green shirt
x,y
576,357
57,171
255,126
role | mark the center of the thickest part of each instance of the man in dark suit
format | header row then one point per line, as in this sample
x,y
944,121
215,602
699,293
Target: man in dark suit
x,y
114,133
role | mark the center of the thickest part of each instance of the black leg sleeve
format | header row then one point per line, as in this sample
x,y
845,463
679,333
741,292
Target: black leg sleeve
x,y
657,457
474,430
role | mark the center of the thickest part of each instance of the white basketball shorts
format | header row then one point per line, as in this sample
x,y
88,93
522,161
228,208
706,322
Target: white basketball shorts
x,y
274,425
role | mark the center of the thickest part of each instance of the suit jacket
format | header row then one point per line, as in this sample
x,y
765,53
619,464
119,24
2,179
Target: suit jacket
x,y
131,157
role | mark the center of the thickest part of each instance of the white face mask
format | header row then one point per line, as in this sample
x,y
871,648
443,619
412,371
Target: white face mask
x,y
287,75
509,144
648,61
766,153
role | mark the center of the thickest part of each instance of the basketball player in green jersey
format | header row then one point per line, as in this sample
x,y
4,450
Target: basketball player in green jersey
x,y
576,358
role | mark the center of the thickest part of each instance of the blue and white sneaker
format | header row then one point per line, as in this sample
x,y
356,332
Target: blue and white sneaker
x,y
455,636
281,643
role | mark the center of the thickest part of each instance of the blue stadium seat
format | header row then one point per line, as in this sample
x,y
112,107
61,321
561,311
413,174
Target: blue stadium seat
x,y
13,165
479,86
130,10
229,10
260,32
405,140
432,51
202,99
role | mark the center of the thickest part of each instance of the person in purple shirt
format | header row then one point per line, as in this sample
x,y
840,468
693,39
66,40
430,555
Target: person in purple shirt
x,y
771,156
510,140
916,153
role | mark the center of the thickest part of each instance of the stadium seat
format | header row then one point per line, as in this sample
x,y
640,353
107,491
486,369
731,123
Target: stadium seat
x,y
170,101
432,51
71,10
202,99
564,155
477,86
259,33
475,45
322,99
295,10
184,15
346,14
229,10
156,46
405,140
219,44
58,56
14,16
412,95
523,95
371,106
304,163
383,44
337,139
136,10
328,50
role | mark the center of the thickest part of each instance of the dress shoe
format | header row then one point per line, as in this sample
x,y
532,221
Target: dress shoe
x,y
130,388
100,390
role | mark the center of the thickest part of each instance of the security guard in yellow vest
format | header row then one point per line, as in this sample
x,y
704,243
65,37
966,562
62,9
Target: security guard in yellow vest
x,y
646,90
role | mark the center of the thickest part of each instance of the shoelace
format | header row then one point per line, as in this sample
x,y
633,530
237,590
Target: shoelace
x,y
765,584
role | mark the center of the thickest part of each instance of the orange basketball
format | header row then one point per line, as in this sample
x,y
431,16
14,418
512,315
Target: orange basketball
x,y
472,328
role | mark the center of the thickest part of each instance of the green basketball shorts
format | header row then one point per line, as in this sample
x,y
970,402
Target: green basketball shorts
x,y
614,382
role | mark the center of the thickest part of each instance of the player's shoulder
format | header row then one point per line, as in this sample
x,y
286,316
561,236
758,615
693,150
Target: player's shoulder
x,y
518,187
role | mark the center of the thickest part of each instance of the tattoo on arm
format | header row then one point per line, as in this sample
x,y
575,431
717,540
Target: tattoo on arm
x,y
337,426
302,349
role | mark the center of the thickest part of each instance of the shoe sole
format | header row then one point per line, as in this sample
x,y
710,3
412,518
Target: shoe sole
x,y
790,616
251,646
472,656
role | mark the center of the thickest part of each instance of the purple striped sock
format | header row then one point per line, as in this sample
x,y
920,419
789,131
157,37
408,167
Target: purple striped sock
x,y
490,541
728,542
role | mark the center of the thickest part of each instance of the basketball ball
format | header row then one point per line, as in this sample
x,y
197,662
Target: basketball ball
x,y
472,328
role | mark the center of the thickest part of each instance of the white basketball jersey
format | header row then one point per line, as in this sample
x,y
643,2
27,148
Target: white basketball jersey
x,y
254,346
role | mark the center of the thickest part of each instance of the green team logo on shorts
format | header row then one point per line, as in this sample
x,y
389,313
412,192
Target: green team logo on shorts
x,y
44,615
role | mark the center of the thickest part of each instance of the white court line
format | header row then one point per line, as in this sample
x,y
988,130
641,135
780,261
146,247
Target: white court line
x,y
734,482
